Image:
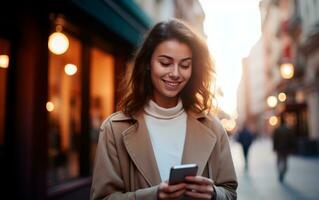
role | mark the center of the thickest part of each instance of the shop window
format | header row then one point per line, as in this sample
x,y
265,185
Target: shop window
x,y
4,64
64,117
102,93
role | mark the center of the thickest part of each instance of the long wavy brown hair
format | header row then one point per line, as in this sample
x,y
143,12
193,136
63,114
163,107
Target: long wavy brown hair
x,y
137,86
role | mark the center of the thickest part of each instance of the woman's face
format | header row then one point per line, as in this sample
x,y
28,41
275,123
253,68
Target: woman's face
x,y
171,69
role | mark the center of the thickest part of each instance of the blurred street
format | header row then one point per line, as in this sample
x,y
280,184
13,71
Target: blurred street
x,y
260,180
63,65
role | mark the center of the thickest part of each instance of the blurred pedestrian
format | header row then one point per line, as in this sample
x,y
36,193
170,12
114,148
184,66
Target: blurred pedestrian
x,y
164,121
245,137
283,145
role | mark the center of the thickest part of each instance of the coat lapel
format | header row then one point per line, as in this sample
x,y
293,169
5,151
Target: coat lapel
x,y
139,147
199,143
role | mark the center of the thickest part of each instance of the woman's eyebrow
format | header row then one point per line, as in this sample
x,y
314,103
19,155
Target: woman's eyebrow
x,y
168,57
165,56
188,58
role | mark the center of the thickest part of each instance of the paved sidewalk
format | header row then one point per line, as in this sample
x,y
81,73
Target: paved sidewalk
x,y
260,180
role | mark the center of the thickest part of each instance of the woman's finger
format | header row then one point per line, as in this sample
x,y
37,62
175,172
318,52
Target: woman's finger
x,y
200,188
176,195
195,194
166,191
174,188
199,180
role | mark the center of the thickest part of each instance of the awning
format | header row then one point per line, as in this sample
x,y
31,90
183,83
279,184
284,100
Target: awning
x,y
123,17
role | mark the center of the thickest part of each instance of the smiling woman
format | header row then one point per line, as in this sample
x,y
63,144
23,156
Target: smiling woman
x,y
138,86
171,69
164,121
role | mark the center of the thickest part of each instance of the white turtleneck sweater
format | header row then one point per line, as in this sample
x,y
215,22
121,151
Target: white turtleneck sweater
x,y
167,130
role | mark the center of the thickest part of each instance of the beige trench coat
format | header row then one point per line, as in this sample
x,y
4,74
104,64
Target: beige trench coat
x,y
125,165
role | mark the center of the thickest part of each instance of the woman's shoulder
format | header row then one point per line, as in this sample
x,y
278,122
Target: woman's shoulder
x,y
115,124
215,122
210,120
116,117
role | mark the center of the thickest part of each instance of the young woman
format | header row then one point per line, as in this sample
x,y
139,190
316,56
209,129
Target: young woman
x,y
164,121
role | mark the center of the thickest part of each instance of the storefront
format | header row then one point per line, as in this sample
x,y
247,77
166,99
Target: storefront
x,y
52,101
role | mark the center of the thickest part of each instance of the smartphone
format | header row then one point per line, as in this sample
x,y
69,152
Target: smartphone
x,y
179,172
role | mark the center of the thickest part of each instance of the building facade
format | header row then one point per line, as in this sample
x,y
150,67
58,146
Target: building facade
x,y
189,11
251,90
52,102
290,29
61,63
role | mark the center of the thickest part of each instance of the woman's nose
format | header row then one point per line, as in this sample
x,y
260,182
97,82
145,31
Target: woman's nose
x,y
174,73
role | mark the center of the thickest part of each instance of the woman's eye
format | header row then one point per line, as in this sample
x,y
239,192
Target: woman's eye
x,y
185,66
165,63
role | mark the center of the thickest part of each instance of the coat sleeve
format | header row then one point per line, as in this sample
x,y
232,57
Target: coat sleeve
x,y
107,181
226,180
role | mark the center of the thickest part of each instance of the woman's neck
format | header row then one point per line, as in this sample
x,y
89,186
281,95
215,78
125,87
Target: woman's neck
x,y
155,110
168,102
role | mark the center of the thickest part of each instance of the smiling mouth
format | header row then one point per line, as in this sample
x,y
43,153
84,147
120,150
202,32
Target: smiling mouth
x,y
172,84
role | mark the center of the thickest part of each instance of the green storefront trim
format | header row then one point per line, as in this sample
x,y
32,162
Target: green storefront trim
x,y
123,17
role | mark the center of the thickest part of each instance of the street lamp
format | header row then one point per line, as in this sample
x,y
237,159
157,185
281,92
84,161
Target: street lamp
x,y
287,70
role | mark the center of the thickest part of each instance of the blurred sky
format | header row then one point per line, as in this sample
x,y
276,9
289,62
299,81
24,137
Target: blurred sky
x,y
232,28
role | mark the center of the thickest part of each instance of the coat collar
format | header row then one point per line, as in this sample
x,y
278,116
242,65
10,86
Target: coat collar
x,y
138,145
199,143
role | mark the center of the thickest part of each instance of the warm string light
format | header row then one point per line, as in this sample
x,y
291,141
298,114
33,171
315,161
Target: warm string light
x,y
70,69
4,61
58,42
50,106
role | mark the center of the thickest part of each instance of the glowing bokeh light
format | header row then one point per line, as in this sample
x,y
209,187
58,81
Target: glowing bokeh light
x,y
272,101
4,61
282,97
273,121
58,43
70,69
287,70
50,106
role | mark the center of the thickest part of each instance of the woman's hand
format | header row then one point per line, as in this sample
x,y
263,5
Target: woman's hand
x,y
199,187
166,191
